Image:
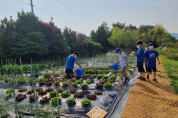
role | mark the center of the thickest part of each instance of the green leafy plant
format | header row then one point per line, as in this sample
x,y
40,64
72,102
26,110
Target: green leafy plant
x,y
113,76
84,86
70,101
78,82
88,81
99,76
54,101
107,84
74,79
53,94
42,79
105,77
57,83
47,75
65,83
8,94
65,94
86,102
74,84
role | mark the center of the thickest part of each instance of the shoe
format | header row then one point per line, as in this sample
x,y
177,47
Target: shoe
x,y
143,79
127,80
139,77
155,80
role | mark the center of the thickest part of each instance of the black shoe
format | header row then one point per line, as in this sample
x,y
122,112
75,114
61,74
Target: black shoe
x,y
127,80
143,79
139,77
155,80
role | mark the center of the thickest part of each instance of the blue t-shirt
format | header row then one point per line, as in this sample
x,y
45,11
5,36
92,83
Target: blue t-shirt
x,y
151,58
70,62
140,55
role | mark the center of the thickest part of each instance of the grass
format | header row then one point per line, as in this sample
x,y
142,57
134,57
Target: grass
x,y
171,67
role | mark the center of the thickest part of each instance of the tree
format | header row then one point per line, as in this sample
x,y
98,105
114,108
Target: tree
x,y
119,25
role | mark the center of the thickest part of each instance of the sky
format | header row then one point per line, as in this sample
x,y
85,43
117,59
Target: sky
x,y
86,15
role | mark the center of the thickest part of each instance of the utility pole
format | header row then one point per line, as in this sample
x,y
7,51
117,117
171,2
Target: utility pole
x,y
31,3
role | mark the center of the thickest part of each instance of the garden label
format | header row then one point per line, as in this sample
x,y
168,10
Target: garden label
x,y
96,112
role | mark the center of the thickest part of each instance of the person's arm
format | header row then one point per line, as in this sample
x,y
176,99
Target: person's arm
x,y
117,61
158,59
139,53
78,64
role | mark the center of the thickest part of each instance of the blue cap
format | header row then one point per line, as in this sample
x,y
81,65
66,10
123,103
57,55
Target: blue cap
x,y
117,49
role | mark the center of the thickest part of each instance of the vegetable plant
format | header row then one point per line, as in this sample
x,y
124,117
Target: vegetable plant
x,y
74,79
99,76
78,82
88,81
47,75
53,94
86,102
57,83
105,77
84,86
54,101
107,84
70,101
65,83
65,94
74,84
113,76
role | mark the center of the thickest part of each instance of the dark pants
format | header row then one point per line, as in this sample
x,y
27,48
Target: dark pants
x,y
140,67
69,73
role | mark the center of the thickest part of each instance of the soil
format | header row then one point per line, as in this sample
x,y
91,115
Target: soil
x,y
151,99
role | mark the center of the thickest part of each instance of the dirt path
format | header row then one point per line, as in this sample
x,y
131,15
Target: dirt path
x,y
152,100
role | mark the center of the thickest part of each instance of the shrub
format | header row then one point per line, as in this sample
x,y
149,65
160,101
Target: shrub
x,y
86,102
84,86
88,81
54,101
74,84
113,76
70,101
47,75
65,94
99,76
65,83
107,84
74,79
53,94
42,79
57,83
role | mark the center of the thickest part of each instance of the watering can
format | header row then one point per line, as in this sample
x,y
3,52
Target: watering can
x,y
115,66
79,72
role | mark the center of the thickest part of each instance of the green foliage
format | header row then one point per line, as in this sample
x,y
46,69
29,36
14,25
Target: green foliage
x,y
170,53
84,86
47,75
74,84
86,102
70,101
42,79
65,83
88,81
99,76
171,67
8,94
78,81
107,85
74,79
113,76
65,94
54,101
53,94
57,83
105,77
4,109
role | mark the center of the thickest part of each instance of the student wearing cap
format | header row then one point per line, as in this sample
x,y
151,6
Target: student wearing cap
x,y
151,55
70,66
140,60
124,63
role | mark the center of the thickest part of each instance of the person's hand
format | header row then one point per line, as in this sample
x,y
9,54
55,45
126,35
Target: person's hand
x,y
158,63
133,52
127,64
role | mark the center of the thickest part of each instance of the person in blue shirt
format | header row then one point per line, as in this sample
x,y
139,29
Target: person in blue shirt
x,y
70,66
140,59
151,56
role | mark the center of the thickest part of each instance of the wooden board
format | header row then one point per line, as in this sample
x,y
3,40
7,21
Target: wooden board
x,y
96,112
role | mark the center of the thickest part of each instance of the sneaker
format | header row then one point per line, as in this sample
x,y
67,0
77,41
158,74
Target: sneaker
x,y
127,80
143,79
155,80
139,77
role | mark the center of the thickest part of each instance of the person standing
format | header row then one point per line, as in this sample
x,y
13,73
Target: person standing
x,y
151,55
70,66
124,63
140,59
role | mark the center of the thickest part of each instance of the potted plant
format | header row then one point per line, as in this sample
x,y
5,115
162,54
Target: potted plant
x,y
53,94
65,83
54,101
99,76
56,83
84,86
65,94
107,85
88,81
74,84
